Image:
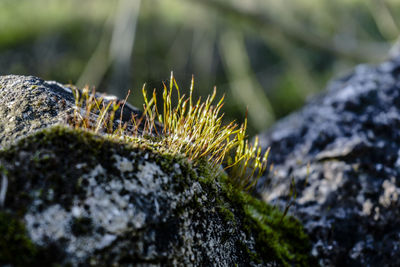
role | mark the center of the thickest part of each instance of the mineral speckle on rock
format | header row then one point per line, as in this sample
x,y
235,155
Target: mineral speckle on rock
x,y
75,198
29,103
158,210
348,196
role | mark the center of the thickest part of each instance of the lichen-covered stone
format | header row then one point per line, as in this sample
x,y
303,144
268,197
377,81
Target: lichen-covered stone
x,y
90,200
70,197
348,197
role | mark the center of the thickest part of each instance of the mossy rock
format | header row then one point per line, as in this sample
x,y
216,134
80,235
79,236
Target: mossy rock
x,y
75,198
29,103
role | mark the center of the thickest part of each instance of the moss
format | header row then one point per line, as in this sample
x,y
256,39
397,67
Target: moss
x,y
42,168
3,170
15,246
226,212
278,239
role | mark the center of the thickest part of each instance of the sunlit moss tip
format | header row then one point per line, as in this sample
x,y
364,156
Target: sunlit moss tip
x,y
192,128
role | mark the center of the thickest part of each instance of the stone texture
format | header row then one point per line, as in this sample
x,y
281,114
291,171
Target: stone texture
x,y
348,197
72,198
29,103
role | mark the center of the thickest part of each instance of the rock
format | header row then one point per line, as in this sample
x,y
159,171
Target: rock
x,y
72,197
29,103
348,197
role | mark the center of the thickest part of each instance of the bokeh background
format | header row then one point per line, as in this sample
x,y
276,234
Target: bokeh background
x,y
266,55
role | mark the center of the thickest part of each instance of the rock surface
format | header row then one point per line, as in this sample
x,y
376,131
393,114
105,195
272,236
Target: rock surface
x,y
70,197
29,103
348,197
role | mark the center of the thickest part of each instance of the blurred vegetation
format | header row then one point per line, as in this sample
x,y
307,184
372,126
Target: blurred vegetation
x,y
266,55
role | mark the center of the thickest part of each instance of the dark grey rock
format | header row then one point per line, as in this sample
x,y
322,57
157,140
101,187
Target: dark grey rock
x,y
29,103
70,197
348,198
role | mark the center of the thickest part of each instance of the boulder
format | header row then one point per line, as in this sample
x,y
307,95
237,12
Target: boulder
x,y
71,197
29,103
342,154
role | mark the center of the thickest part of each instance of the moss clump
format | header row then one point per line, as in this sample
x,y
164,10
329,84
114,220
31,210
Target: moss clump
x,y
280,239
192,128
15,246
284,235
253,231
43,155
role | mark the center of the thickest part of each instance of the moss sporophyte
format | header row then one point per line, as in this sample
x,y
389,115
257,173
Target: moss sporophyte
x,y
191,128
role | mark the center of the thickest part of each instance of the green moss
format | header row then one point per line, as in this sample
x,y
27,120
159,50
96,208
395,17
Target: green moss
x,y
284,235
15,247
226,212
3,170
278,239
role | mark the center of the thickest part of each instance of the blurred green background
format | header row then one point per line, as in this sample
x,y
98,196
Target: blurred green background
x,y
266,55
